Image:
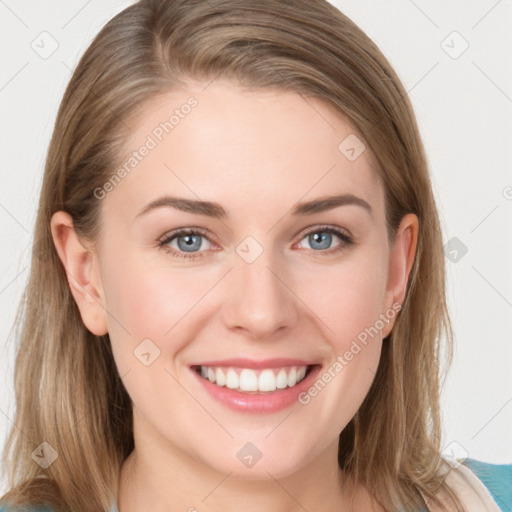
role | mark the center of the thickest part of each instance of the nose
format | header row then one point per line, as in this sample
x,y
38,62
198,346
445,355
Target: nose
x,y
261,299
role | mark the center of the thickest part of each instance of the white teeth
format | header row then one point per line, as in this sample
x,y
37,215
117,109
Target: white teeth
x,y
267,381
292,377
248,380
220,378
232,380
281,380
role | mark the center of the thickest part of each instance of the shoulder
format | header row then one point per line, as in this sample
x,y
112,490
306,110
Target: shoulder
x,y
497,478
481,486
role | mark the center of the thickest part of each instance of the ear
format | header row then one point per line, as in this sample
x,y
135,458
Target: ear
x,y
82,270
401,260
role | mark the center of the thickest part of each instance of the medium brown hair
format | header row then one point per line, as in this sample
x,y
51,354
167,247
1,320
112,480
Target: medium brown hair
x,y
68,390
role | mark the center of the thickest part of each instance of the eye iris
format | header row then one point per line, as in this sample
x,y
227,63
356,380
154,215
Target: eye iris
x,y
193,242
315,238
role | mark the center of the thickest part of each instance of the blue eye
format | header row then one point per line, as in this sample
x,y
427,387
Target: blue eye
x,y
190,241
321,238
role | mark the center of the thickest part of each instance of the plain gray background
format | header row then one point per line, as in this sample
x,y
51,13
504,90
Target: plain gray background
x,y
454,59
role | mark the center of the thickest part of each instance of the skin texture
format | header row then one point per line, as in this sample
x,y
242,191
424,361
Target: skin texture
x,y
257,153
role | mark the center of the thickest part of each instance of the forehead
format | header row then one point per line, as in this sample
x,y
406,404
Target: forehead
x,y
246,149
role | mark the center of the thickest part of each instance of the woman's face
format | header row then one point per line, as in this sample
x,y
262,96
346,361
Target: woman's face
x,y
274,280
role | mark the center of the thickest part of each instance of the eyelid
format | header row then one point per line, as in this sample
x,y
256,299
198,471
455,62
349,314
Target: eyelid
x,y
326,227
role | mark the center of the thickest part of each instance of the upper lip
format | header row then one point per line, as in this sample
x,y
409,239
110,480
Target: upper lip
x,y
256,364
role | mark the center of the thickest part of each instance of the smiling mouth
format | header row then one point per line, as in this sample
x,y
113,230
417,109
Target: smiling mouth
x,y
252,381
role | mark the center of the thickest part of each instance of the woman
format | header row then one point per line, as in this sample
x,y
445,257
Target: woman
x,y
238,292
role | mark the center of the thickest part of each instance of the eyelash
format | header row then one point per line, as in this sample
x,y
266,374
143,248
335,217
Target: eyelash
x,y
168,237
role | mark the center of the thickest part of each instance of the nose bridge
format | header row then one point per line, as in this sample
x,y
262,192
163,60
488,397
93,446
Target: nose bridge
x,y
260,301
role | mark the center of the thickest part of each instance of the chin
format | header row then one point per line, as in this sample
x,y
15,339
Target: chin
x,y
249,463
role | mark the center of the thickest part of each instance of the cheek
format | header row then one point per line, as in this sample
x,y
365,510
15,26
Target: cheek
x,y
146,302
149,314
348,297
348,300
158,302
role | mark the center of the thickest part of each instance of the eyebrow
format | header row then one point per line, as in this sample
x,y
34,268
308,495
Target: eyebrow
x,y
215,210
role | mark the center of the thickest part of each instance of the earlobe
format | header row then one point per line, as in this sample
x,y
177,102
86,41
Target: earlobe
x,y
82,271
401,260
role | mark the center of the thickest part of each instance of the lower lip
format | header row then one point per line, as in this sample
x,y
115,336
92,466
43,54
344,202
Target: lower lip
x,y
264,403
